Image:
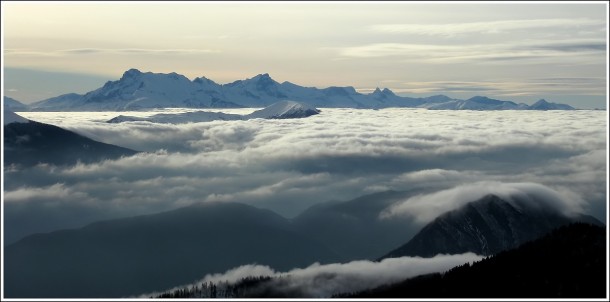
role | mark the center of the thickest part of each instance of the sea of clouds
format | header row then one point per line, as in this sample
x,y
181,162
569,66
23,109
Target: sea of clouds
x,y
289,165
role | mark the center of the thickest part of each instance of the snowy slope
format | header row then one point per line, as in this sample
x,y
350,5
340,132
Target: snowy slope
x,y
284,109
63,102
145,90
279,110
180,118
544,105
476,103
386,98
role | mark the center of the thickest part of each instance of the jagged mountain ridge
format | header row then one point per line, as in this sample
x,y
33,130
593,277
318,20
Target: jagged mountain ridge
x,y
144,90
485,227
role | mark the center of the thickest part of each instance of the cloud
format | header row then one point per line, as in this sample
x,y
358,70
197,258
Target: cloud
x,y
56,191
322,281
483,52
108,51
527,86
289,165
489,27
424,208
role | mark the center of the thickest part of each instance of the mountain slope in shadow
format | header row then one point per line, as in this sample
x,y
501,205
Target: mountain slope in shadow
x,y
27,144
145,253
485,227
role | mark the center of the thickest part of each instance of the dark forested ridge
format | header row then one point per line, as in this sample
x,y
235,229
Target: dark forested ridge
x,y
486,227
569,262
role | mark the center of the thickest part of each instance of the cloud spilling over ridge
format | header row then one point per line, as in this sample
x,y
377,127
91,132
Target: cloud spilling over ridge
x,y
319,281
289,165
424,208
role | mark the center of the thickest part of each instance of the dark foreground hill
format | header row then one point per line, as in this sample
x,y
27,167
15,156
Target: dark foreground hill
x,y
569,262
487,226
141,254
29,143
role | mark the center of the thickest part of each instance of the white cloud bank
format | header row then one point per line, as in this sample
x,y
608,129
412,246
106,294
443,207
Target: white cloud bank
x,y
424,208
288,165
320,281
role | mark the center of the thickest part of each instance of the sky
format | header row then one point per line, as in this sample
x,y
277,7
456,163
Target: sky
x,y
510,51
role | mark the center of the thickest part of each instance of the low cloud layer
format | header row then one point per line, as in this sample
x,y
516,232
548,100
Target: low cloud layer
x,y
424,208
289,165
322,281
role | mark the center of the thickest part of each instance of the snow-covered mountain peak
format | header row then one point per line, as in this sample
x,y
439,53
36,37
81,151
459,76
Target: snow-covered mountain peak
x,y
262,76
131,73
387,91
285,109
204,80
541,102
340,91
484,100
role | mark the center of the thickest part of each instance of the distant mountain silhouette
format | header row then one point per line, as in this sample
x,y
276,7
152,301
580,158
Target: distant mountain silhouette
x,y
569,262
141,254
353,228
14,105
485,227
29,143
544,105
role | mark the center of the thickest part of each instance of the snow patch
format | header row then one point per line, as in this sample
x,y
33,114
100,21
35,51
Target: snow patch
x,y
279,110
285,109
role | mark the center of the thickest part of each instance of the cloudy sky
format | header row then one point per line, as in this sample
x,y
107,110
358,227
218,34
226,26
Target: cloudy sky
x,y
521,52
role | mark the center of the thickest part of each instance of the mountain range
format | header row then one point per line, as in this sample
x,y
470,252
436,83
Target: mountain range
x,y
137,90
145,253
140,254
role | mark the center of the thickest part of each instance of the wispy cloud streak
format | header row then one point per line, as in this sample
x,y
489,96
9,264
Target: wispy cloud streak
x,y
489,27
